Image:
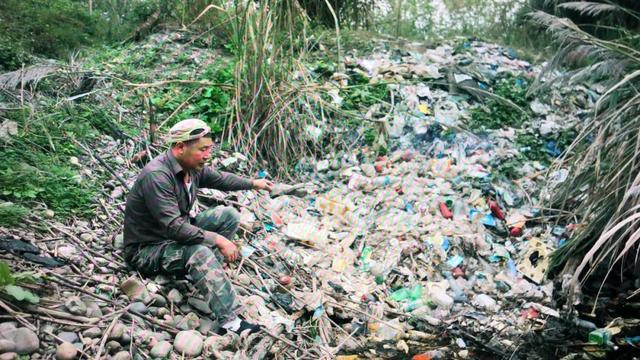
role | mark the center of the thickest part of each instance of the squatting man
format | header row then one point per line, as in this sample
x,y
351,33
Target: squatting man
x,y
163,234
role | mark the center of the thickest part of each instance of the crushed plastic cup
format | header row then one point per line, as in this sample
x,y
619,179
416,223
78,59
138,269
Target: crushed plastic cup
x,y
413,294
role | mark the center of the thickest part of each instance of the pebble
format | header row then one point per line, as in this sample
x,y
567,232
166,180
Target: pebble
x,y
188,343
191,321
122,355
159,301
134,289
76,306
93,332
161,350
113,346
174,296
67,251
66,351
162,312
86,237
25,340
206,325
93,310
69,337
118,241
9,356
199,305
139,307
117,332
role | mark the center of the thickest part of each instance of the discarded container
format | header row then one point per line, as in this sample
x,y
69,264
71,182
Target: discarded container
x,y
306,233
495,209
414,293
440,298
444,210
601,337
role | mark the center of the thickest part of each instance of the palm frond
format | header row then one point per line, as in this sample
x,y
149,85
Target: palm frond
x,y
591,8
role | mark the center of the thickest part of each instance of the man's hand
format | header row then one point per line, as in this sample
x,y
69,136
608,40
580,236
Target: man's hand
x,y
228,249
262,184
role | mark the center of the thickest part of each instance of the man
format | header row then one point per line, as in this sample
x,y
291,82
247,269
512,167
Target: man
x,y
162,233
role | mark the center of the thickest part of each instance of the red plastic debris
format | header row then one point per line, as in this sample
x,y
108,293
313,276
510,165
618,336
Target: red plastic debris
x,y
495,209
515,231
457,272
444,210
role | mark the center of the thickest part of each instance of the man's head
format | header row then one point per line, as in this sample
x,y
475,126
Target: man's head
x,y
191,143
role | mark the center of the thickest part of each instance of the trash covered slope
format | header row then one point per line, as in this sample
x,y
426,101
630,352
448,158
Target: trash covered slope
x,y
435,250
428,247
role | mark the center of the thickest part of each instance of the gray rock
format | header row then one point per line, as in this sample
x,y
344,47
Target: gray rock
x,y
139,307
126,338
118,241
191,321
162,312
76,306
161,350
174,296
113,346
199,305
188,343
93,310
25,340
135,289
7,346
86,237
9,356
66,351
117,332
92,333
206,325
122,355
69,337
159,300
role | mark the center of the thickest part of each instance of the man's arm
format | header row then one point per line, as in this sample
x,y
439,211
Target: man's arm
x,y
214,179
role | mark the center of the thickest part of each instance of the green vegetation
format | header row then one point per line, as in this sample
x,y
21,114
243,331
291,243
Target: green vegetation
x,y
508,107
10,284
601,188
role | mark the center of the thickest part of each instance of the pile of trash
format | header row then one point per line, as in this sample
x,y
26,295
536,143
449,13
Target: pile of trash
x,y
425,252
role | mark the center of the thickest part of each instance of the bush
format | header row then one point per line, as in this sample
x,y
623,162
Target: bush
x,y
48,28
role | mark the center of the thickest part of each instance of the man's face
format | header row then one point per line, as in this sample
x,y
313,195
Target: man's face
x,y
193,156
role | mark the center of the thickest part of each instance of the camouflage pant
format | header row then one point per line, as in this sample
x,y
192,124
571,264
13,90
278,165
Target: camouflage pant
x,y
201,264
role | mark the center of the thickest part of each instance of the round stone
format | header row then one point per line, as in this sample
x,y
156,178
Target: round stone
x,y
161,350
122,355
92,333
188,343
66,351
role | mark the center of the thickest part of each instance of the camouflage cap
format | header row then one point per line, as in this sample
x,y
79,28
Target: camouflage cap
x,y
186,130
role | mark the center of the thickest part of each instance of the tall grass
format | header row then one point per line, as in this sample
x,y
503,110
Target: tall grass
x,y
603,187
272,99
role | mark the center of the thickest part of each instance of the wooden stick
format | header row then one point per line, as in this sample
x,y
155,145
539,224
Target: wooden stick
x,y
106,335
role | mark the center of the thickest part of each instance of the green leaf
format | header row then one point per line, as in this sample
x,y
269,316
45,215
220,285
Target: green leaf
x,y
5,274
21,294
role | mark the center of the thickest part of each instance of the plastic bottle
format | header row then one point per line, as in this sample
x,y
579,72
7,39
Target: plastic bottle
x,y
440,298
459,209
459,294
382,181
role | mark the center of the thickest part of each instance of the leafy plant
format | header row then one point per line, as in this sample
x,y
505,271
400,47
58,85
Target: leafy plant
x,y
11,214
10,284
508,108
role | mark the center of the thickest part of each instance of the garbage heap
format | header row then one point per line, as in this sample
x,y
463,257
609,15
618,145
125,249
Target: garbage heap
x,y
415,245
427,251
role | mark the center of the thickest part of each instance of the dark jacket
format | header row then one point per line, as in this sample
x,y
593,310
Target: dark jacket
x,y
158,206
